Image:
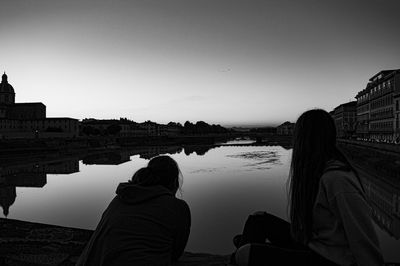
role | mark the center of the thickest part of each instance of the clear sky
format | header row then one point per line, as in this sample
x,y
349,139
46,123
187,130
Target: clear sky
x,y
222,61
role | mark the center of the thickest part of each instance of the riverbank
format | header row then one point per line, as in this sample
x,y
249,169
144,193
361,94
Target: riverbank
x,y
36,244
381,159
16,146
382,147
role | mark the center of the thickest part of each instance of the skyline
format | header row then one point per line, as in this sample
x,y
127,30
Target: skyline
x,y
228,62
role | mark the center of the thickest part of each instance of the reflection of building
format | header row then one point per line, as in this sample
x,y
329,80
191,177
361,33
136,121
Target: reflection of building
x,y
7,198
198,149
345,119
149,152
25,179
108,158
28,120
30,175
60,167
385,203
35,169
286,128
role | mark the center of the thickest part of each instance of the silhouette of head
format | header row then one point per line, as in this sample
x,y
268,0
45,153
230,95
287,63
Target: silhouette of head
x,y
314,132
314,143
161,170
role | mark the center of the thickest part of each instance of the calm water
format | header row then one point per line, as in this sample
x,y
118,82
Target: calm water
x,y
221,183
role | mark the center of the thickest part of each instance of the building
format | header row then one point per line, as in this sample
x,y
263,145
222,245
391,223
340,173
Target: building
x,y
104,127
363,110
153,129
384,90
396,99
28,120
118,128
345,119
286,128
378,107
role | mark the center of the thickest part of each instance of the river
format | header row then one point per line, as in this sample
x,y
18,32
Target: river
x,y
222,184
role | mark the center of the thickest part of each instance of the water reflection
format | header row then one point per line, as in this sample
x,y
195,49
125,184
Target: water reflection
x,y
30,175
261,160
385,203
15,172
380,174
107,158
223,183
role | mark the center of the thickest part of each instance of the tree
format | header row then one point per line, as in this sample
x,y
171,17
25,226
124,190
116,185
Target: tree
x,y
113,129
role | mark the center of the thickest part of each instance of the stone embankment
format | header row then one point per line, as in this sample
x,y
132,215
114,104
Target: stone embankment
x,y
35,244
388,148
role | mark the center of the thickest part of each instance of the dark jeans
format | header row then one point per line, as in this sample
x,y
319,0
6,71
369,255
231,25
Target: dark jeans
x,y
280,249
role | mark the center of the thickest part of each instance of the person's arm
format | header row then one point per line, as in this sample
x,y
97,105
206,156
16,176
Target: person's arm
x,y
182,235
360,232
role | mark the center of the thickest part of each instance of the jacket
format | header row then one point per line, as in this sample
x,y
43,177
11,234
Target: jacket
x,y
343,231
141,226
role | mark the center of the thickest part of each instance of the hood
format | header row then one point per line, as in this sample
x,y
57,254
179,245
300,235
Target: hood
x,y
132,193
335,165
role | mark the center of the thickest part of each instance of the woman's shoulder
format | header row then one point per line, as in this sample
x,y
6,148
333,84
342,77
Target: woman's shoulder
x,y
183,206
181,212
177,205
338,178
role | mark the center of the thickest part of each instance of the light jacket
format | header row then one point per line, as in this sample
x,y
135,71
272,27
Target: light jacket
x,y
343,231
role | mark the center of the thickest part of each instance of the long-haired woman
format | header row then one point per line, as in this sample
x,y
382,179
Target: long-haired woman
x,y
330,221
145,224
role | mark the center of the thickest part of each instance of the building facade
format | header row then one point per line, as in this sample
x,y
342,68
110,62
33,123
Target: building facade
x,y
363,109
396,101
28,120
381,125
286,128
378,108
345,119
384,200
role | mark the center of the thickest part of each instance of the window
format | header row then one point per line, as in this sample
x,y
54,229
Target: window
x,y
398,121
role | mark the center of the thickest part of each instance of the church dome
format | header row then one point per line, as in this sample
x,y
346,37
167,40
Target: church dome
x,y
5,87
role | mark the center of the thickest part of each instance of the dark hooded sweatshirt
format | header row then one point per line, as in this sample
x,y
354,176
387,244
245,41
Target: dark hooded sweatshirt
x,y
141,226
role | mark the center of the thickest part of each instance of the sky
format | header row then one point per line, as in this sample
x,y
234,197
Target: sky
x,y
235,63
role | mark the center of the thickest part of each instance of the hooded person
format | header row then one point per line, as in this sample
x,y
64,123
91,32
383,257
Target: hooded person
x,y
145,224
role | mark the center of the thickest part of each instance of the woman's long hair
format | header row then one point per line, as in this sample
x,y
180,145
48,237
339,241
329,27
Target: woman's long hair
x,y
161,170
314,144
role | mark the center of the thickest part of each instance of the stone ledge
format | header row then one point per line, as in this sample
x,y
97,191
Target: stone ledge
x,y
36,244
